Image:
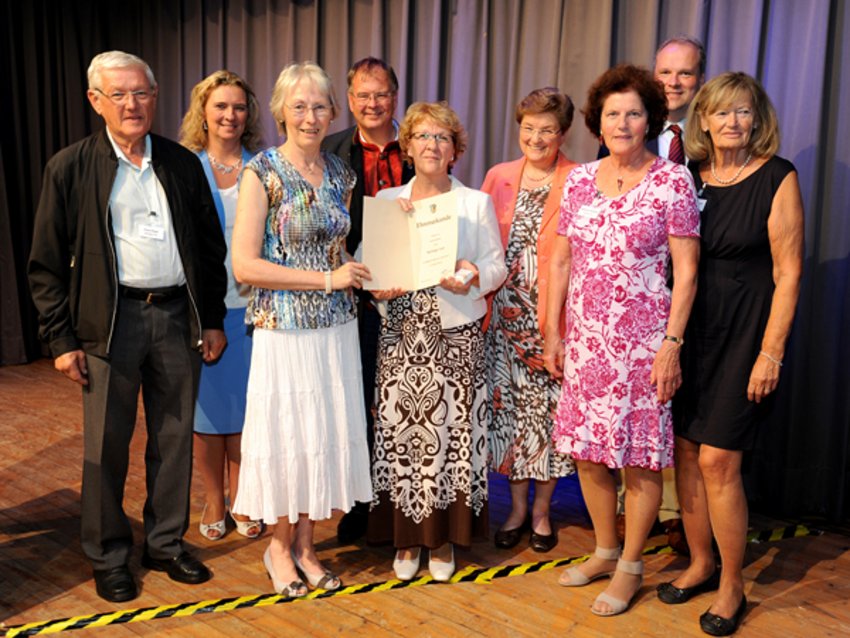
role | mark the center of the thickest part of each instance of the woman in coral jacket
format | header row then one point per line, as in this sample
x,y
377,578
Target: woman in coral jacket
x,y
527,194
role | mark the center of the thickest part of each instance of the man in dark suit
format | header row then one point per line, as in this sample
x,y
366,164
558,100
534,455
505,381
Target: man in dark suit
x,y
371,149
127,272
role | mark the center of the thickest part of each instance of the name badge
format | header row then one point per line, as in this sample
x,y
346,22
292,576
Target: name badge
x,y
700,203
589,212
152,230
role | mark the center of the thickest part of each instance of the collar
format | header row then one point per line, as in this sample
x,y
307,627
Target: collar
x,y
680,124
122,157
358,136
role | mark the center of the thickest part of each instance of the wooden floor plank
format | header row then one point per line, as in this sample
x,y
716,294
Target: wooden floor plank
x,y
797,587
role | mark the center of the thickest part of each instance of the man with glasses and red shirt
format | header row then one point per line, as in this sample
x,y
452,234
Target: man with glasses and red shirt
x,y
371,149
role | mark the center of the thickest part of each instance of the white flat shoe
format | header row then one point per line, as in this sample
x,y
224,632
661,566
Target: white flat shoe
x,y
574,577
212,531
406,568
441,571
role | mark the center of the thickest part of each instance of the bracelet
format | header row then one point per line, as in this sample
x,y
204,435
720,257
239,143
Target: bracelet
x,y
679,341
771,359
328,286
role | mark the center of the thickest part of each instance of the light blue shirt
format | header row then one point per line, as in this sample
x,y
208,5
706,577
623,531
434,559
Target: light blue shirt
x,y
145,245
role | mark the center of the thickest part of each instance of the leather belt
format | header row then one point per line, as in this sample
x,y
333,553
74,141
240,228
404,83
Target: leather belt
x,y
153,295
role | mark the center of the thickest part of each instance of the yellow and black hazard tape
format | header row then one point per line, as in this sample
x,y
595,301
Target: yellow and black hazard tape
x,y
469,574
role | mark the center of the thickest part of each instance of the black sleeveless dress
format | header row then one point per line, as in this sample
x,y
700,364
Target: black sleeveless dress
x,y
730,311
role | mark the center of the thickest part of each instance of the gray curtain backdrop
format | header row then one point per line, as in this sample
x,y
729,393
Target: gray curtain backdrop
x,y
482,57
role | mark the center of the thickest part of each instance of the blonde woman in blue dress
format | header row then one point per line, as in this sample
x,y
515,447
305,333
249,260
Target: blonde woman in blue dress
x,y
222,125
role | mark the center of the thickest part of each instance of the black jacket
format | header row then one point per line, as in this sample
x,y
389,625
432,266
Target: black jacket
x,y
346,145
72,267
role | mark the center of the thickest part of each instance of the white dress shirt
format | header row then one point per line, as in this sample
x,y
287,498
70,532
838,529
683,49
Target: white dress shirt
x,y
145,245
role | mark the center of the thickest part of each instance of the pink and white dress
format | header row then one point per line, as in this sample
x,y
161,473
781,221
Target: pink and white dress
x,y
617,309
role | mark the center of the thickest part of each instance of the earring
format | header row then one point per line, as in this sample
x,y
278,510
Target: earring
x,y
205,126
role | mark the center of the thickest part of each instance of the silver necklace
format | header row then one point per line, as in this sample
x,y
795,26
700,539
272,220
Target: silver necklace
x,y
735,177
224,168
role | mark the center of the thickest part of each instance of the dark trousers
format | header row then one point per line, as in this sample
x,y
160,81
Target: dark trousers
x,y
150,350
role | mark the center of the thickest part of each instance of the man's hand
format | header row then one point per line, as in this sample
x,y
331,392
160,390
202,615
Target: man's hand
x,y
73,365
213,343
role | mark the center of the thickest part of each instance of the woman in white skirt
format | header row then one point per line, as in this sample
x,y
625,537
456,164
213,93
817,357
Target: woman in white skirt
x,y
304,450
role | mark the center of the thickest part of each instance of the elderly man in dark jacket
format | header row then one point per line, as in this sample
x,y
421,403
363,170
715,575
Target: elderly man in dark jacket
x,y
127,273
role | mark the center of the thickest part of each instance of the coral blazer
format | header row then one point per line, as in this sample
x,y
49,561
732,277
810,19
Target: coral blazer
x,y
502,183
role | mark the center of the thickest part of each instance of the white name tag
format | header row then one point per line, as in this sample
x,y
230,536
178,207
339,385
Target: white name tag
x,y
700,203
152,230
588,211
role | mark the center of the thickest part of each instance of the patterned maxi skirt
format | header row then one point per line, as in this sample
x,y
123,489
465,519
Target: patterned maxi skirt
x,y
429,471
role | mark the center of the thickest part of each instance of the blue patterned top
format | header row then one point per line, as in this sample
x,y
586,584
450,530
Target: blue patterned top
x,y
305,229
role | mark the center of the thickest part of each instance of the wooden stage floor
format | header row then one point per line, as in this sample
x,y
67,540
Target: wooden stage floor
x,y
799,586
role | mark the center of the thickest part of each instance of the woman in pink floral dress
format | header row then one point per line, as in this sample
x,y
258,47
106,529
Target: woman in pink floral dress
x,y
623,219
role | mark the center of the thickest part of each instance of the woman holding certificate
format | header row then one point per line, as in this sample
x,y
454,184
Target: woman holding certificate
x,y
429,470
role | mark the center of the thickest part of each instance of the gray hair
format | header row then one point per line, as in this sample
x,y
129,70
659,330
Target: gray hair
x,y
688,40
116,60
291,75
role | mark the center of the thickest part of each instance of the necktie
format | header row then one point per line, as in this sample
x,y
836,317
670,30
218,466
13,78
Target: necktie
x,y
677,151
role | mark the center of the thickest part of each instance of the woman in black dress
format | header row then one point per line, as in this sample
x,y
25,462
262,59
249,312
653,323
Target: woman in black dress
x,y
749,280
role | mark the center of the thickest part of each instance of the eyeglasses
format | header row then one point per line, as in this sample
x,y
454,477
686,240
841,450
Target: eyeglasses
x,y
299,110
543,133
438,138
122,97
365,98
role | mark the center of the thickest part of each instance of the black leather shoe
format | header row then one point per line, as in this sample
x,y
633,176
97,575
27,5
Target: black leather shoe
x,y
715,625
183,568
672,595
507,538
352,526
115,585
542,543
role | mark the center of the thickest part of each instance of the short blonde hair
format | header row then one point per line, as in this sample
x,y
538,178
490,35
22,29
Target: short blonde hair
x,y
288,79
721,92
192,133
443,115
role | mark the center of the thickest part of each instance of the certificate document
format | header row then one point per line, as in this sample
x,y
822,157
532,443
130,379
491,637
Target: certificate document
x,y
410,251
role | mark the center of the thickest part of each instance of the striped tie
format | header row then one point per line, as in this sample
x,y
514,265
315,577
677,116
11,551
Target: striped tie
x,y
677,152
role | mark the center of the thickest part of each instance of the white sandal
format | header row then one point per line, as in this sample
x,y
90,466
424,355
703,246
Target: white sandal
x,y
208,529
574,577
248,529
634,567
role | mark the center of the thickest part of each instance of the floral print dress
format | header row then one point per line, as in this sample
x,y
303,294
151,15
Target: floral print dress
x,y
617,309
523,395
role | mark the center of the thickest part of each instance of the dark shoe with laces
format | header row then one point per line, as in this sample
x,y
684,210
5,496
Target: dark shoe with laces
x,y
715,625
115,585
508,538
672,595
183,568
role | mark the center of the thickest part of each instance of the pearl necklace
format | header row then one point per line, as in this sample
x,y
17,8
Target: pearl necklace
x,y
224,168
735,177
